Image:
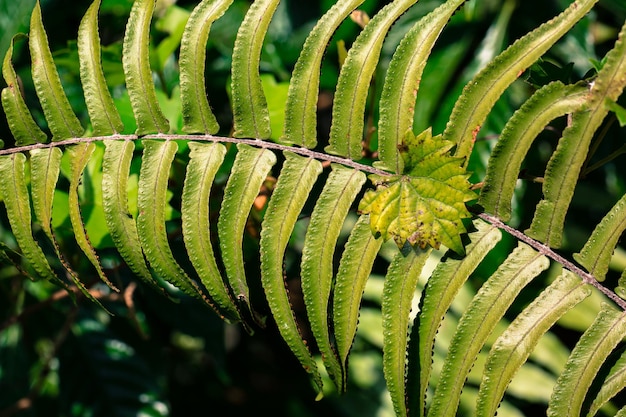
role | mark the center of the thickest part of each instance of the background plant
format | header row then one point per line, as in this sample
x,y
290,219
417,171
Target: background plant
x,y
116,344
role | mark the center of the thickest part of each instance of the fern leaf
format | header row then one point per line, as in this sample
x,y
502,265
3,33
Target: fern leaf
x,y
23,127
548,103
328,216
79,157
402,81
248,173
251,116
440,290
300,109
346,132
426,206
398,291
614,383
294,184
479,320
197,114
480,94
204,161
104,116
355,266
16,200
515,345
62,121
565,164
151,203
588,355
596,254
120,223
136,63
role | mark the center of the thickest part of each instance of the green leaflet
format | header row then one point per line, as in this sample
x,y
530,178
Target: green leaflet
x,y
399,289
515,345
151,203
480,94
45,165
16,200
104,116
346,132
596,254
355,266
440,290
614,383
121,225
291,191
567,160
402,81
248,173
23,127
79,157
136,62
62,121
478,321
588,355
548,103
328,216
426,206
197,114
251,117
300,111
205,159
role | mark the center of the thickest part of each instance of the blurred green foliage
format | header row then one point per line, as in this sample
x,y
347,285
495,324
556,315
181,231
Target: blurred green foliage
x,y
153,357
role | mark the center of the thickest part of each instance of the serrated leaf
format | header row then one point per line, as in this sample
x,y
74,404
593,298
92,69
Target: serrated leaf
x,y
354,268
548,103
23,127
346,133
328,216
484,312
104,116
402,81
197,114
438,294
301,106
480,95
591,351
515,345
426,206
398,291
292,189
79,157
62,121
151,203
250,113
121,224
204,161
136,62
250,169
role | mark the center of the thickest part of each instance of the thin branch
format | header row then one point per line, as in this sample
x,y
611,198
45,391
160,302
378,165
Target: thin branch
x,y
207,138
547,251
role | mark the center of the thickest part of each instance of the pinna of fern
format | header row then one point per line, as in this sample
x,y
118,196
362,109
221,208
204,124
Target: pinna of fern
x,y
419,200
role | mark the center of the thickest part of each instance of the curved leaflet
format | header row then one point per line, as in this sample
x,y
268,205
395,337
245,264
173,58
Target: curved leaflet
x,y
251,116
292,189
104,116
398,292
328,216
247,175
346,132
197,114
204,161
136,63
300,110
